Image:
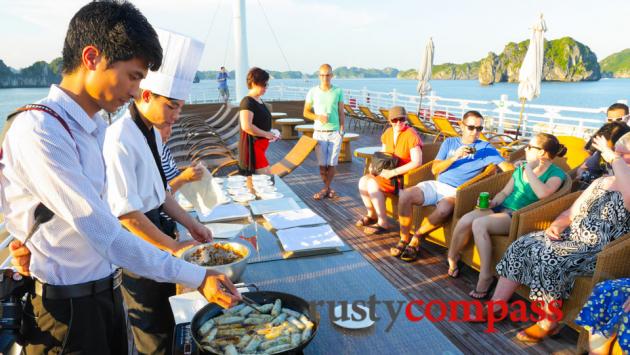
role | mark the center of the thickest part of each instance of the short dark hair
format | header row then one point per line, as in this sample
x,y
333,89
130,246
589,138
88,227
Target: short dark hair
x,y
257,76
611,131
472,113
117,28
619,106
550,145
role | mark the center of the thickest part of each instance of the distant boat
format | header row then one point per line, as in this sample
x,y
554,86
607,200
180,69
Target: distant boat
x,y
196,79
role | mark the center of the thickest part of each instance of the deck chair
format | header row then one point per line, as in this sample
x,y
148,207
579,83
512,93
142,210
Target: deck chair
x,y
576,154
384,112
373,118
441,235
295,157
355,116
612,261
417,123
466,200
444,127
429,152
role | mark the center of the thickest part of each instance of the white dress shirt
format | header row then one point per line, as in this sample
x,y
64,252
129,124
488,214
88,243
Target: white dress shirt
x,y
43,163
133,179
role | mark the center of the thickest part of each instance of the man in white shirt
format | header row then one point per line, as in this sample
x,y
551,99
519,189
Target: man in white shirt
x,y
137,185
77,301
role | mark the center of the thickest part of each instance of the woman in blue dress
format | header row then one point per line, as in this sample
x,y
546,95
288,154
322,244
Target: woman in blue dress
x,y
606,315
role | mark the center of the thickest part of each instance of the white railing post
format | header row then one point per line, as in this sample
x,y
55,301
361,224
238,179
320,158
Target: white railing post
x,y
394,97
432,100
503,101
365,95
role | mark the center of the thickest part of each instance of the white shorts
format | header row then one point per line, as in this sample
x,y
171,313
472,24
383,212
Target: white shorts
x,y
328,147
435,191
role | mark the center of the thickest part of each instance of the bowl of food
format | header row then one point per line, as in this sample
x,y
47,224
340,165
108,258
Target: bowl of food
x,y
229,258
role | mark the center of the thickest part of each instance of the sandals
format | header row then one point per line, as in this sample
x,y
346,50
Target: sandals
x,y
484,295
323,193
536,333
399,248
411,253
331,194
376,229
366,221
454,273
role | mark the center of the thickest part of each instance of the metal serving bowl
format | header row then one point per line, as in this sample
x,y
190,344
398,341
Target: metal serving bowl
x,y
233,270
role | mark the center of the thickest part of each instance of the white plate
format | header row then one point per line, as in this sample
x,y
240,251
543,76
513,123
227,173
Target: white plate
x,y
244,197
235,178
219,180
235,184
261,189
238,191
364,320
262,183
270,195
257,177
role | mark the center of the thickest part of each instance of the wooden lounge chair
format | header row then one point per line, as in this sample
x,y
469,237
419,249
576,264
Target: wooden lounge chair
x,y
375,119
444,127
355,116
384,112
295,157
466,201
418,124
612,261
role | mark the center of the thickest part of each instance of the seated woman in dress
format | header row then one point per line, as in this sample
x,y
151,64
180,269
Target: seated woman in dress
x,y
405,144
606,315
536,179
549,261
255,120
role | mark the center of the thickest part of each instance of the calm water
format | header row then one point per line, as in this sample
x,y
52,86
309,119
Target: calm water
x,y
585,94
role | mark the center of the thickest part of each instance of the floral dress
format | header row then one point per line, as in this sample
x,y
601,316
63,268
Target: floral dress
x,y
603,312
549,267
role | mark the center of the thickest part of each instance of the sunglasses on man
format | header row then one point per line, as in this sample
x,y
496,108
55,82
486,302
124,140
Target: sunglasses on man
x,y
397,119
622,118
472,128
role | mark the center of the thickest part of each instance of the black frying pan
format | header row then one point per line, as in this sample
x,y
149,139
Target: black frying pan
x,y
261,297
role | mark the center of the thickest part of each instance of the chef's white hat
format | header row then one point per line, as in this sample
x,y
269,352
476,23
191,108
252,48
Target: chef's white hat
x,y
181,56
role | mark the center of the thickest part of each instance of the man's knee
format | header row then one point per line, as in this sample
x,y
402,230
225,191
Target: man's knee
x,y
443,210
410,196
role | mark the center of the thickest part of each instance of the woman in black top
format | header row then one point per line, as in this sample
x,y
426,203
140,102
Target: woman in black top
x,y
255,121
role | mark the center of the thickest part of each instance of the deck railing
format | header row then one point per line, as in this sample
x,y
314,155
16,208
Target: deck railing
x,y
502,115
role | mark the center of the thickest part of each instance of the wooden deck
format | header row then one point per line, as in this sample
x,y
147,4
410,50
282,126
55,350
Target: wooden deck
x,y
424,279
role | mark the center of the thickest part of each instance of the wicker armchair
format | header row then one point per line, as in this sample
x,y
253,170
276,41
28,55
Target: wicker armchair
x,y
467,200
429,152
612,261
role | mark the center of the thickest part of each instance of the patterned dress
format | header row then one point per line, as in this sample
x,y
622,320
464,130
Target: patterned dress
x,y
603,312
550,267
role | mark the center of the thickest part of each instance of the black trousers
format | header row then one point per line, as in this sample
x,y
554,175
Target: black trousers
x,y
148,308
88,325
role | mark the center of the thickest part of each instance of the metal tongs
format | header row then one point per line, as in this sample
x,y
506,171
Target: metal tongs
x,y
248,301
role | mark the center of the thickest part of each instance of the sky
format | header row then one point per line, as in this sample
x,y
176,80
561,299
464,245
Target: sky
x,y
362,33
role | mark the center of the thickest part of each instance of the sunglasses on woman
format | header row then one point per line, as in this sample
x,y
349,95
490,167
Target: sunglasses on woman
x,y
529,146
397,119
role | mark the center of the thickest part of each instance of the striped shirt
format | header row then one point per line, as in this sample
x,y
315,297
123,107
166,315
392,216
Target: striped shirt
x,y
168,164
83,241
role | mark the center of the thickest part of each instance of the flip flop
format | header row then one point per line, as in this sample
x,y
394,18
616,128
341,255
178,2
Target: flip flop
x,y
484,295
366,221
410,254
454,273
376,229
321,194
399,248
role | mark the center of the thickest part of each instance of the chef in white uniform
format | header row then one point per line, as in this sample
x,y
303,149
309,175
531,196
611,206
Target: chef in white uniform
x,y
137,185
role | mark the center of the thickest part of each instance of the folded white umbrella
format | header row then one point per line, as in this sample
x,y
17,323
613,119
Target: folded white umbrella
x,y
530,74
424,71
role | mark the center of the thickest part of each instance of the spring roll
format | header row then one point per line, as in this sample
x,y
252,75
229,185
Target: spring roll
x,y
278,348
291,312
230,350
277,307
229,320
253,344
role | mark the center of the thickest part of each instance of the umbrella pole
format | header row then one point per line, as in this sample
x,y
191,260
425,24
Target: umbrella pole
x,y
520,118
420,106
